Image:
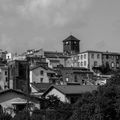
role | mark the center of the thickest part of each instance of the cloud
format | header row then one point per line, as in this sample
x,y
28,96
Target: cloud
x,y
5,42
101,45
54,12
28,24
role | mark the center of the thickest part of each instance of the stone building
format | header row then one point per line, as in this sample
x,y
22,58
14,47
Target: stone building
x,y
40,74
111,60
87,59
71,45
4,83
74,75
18,75
55,59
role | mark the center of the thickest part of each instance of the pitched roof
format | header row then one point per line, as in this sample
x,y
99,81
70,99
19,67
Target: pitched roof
x,y
70,38
91,51
41,87
75,69
72,89
18,92
12,90
103,52
49,70
54,54
111,53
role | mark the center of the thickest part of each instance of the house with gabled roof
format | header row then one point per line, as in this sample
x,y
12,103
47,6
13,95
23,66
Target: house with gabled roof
x,y
68,93
41,74
17,100
37,89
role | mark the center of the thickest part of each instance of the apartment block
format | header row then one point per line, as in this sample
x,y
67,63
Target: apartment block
x,y
111,60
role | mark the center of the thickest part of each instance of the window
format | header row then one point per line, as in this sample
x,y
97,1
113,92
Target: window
x,y
75,64
112,64
117,65
75,42
92,55
84,63
5,72
67,80
6,79
41,72
98,56
81,64
84,56
81,57
117,57
75,58
95,63
67,43
75,78
41,80
107,56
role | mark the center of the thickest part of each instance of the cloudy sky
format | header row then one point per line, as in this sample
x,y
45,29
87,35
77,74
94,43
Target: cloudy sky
x,y
29,24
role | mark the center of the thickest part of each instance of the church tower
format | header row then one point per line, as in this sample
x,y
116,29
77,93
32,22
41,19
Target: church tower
x,y
71,45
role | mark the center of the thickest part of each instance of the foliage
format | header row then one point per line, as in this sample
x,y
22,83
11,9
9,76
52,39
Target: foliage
x,y
4,115
38,115
51,102
103,104
22,115
104,69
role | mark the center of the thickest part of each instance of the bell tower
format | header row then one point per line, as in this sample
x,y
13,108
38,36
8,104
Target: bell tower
x,y
71,45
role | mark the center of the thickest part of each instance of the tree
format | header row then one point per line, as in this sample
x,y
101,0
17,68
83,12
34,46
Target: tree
x,y
4,115
51,102
38,115
56,109
22,115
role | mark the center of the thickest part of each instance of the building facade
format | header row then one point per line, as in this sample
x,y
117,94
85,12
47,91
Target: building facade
x,y
111,60
18,75
40,74
71,45
55,59
75,75
87,59
4,83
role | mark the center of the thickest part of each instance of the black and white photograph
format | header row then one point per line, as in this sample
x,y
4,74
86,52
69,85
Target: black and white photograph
x,y
59,59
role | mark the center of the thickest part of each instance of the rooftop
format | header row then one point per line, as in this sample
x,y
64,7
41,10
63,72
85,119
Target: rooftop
x,y
49,70
54,54
41,87
70,38
72,89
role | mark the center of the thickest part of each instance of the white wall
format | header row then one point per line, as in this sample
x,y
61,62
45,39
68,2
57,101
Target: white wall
x,y
7,100
3,77
35,75
83,59
59,94
9,56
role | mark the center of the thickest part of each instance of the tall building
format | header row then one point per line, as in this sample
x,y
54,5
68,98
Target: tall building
x,y
71,45
18,75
